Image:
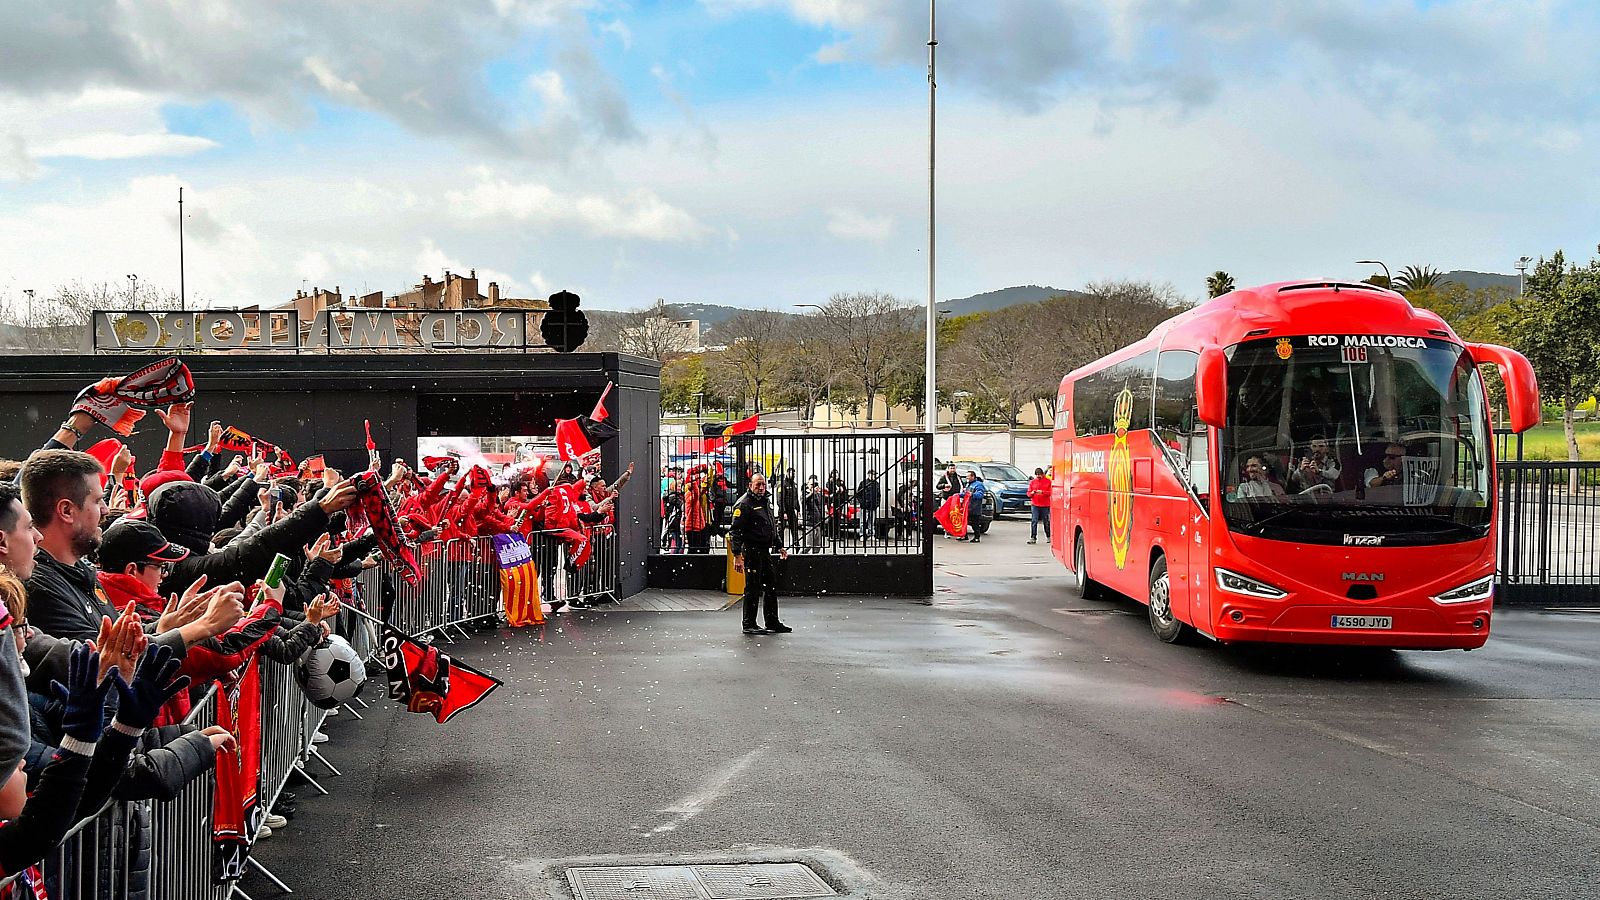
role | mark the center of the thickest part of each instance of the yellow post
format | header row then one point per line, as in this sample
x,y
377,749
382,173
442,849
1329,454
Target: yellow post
x,y
735,580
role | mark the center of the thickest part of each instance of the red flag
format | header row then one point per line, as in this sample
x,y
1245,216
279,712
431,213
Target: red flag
x,y
312,466
580,437
743,426
428,681
600,414
952,515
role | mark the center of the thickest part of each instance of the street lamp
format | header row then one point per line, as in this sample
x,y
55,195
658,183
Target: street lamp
x,y
29,292
1388,281
133,292
930,397
1522,269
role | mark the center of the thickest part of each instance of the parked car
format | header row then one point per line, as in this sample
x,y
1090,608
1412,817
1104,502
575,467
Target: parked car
x,y
1006,482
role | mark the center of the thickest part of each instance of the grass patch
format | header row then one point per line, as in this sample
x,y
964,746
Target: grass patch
x,y
1548,441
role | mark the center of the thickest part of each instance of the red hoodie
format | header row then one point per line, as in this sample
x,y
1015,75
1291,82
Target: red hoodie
x,y
1039,490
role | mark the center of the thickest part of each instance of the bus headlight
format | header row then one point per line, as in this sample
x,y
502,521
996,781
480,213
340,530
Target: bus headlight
x,y
1482,589
1235,583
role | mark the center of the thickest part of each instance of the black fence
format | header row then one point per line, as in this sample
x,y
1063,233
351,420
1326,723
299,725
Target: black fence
x,y
852,509
1507,444
1549,552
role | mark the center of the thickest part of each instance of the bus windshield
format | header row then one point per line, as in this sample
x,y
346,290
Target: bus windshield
x,y
1355,439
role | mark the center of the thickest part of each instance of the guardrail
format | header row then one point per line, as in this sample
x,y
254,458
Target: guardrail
x,y
460,582
97,859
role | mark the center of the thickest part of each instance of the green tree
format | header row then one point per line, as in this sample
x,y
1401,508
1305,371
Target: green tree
x,y
1556,324
1218,283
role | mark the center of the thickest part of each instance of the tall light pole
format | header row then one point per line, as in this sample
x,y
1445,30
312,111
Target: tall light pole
x,y
930,395
1387,279
180,249
1522,269
133,292
29,292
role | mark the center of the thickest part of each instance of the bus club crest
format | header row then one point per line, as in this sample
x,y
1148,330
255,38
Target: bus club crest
x,y
1119,469
1285,349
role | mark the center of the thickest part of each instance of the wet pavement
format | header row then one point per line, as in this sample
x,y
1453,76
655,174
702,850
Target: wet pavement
x,y
1009,741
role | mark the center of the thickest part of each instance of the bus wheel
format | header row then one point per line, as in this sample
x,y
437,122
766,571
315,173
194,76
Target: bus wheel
x,y
1087,588
1162,621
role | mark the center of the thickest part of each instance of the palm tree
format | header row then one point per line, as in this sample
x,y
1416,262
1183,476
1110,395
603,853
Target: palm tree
x,y
1418,278
1218,283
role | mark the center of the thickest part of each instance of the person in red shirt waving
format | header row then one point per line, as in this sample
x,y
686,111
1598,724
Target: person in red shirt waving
x,y
1039,498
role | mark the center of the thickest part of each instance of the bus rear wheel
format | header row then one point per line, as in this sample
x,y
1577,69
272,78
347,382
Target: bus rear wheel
x,y
1162,620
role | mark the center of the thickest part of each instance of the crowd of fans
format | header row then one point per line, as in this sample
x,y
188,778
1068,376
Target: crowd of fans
x,y
127,596
812,514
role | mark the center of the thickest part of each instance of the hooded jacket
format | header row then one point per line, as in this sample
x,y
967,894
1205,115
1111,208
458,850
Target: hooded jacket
x,y
187,515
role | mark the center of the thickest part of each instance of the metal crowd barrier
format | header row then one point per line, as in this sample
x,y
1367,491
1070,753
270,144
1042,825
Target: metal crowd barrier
x,y
94,861
460,582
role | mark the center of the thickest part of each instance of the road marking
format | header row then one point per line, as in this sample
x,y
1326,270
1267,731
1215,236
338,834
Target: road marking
x,y
696,803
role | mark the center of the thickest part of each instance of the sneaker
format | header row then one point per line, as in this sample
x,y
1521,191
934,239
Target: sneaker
x,y
319,737
1032,541
555,605
779,628
335,710
274,821
263,833
751,629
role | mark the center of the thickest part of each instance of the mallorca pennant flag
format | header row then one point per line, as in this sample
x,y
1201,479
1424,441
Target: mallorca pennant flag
x,y
519,580
428,681
952,515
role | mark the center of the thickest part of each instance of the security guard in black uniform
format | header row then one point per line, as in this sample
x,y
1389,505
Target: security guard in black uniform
x,y
752,539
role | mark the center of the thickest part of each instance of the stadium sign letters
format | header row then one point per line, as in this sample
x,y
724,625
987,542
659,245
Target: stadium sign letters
x,y
330,329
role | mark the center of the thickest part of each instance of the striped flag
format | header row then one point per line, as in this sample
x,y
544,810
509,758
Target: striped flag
x,y
519,580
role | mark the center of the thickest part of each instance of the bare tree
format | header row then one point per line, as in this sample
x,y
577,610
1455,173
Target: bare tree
x,y
808,365
868,333
993,360
60,321
652,333
754,340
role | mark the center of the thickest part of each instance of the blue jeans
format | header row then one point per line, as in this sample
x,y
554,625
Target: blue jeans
x,y
1040,514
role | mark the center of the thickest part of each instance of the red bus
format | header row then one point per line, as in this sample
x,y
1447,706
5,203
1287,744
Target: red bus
x,y
1303,462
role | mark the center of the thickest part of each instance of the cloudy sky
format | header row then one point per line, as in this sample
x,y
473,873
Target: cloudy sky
x,y
771,152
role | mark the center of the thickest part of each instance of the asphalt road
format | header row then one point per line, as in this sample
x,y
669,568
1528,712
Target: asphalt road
x,y
1008,741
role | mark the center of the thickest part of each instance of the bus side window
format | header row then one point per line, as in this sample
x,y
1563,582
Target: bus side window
x,y
1176,421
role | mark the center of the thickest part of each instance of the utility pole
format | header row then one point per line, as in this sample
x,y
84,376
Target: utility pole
x,y
930,394
1522,270
181,296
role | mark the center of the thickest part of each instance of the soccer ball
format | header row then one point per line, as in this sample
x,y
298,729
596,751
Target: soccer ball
x,y
331,673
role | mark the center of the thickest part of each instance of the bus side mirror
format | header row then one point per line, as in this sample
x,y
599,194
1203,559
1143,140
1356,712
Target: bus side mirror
x,y
1522,388
1211,387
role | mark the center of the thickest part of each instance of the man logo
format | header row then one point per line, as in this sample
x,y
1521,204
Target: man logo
x,y
1363,540
1362,576
1285,349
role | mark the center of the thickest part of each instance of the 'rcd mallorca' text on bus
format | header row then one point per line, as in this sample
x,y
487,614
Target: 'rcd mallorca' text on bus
x,y
1305,462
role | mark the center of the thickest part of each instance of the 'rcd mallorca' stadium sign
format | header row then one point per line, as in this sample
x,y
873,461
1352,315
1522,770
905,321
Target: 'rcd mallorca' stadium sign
x,y
330,329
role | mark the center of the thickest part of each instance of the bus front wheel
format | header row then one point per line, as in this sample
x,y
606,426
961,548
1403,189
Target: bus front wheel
x,y
1162,620
1087,588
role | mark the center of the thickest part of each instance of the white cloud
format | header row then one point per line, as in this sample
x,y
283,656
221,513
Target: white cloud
x,y
96,124
621,30
109,145
336,87
550,88
853,225
639,213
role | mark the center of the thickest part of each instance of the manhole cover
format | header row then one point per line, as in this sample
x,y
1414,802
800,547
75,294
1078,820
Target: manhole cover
x,y
742,881
737,882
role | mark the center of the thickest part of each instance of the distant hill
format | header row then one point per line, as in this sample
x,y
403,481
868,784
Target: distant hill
x,y
1478,281
993,300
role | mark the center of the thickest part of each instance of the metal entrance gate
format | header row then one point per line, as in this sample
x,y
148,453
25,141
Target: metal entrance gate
x,y
1549,551
852,508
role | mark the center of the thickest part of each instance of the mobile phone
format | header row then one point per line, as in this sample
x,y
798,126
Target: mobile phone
x,y
276,571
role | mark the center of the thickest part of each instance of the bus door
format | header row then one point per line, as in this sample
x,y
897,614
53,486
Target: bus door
x,y
1180,448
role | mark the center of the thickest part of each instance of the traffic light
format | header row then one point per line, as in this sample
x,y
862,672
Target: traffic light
x,y
564,327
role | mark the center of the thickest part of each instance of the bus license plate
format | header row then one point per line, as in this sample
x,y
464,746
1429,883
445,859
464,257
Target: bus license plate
x,y
1379,622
